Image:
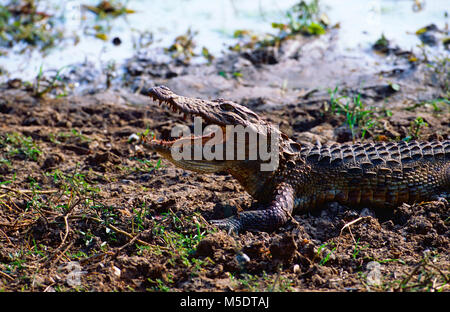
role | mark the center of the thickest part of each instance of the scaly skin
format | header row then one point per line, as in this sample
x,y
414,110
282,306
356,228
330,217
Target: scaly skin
x,y
307,176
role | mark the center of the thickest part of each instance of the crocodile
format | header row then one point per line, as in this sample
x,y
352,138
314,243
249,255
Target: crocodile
x,y
306,175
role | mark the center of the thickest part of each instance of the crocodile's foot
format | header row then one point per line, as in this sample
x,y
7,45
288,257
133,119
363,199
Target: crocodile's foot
x,y
268,218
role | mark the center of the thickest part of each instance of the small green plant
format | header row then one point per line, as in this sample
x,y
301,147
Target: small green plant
x,y
237,74
249,282
382,44
181,240
22,22
358,249
324,259
438,105
182,49
358,118
111,8
144,39
304,18
16,144
139,216
41,86
415,128
440,65
263,282
160,285
143,135
249,40
146,165
66,136
426,276
207,55
5,162
74,183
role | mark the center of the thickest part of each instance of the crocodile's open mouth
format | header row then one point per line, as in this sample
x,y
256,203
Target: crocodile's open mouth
x,y
208,132
205,126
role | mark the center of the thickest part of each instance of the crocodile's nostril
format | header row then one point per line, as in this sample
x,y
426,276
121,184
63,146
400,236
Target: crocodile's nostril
x,y
227,107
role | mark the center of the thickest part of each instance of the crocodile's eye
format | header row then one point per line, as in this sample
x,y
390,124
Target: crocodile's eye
x,y
227,107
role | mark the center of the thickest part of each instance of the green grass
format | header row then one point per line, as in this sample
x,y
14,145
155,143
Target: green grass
x,y
15,144
358,249
28,27
416,128
182,243
425,276
358,117
179,237
261,282
43,86
437,105
304,18
111,8
182,49
61,137
73,183
323,252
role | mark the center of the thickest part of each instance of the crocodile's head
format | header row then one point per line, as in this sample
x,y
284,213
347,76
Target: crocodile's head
x,y
227,137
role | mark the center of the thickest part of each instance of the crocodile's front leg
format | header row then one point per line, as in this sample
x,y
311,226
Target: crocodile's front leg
x,y
266,219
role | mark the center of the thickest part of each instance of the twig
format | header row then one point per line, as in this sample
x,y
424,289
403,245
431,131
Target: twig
x,y
6,205
48,287
39,192
60,245
293,220
26,192
405,281
135,238
16,191
347,225
447,279
205,222
6,275
112,227
15,206
7,238
66,233
277,278
64,251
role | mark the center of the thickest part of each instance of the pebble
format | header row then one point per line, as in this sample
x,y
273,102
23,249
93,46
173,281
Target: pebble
x,y
116,271
133,138
242,258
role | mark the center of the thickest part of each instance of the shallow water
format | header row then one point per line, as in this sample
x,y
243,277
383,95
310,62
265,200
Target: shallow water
x,y
361,23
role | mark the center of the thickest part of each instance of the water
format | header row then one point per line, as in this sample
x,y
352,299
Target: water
x,y
361,24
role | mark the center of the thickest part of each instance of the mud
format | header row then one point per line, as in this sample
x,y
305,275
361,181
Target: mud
x,y
93,211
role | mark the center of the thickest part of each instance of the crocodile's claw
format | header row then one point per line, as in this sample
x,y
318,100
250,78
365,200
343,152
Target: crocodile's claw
x,y
230,225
